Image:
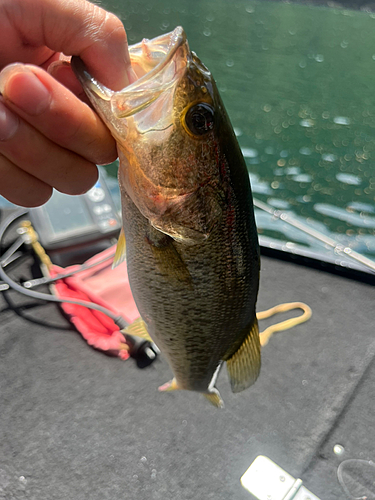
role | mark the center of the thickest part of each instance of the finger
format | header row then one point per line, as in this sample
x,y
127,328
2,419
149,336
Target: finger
x,y
32,152
54,111
75,28
63,73
21,188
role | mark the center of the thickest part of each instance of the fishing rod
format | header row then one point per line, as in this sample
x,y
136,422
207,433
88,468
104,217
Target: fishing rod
x,y
338,247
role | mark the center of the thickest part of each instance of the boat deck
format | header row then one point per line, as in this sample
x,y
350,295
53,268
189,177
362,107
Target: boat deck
x,y
78,424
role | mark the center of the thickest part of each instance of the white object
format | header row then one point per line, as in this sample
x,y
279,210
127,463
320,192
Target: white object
x,y
265,480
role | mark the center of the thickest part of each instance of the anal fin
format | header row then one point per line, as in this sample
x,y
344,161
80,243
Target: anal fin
x,y
244,365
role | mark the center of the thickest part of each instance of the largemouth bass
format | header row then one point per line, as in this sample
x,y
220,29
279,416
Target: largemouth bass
x,y
191,241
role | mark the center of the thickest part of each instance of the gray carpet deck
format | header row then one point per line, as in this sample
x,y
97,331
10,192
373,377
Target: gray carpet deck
x,y
77,424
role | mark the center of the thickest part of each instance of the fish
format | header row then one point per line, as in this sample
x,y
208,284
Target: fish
x,y
192,248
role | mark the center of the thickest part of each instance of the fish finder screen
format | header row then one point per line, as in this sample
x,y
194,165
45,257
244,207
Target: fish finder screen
x,y
68,214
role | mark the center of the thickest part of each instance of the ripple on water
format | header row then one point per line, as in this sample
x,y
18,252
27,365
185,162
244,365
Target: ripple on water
x,y
302,178
341,120
307,123
258,186
305,151
351,179
355,219
361,207
249,152
293,171
329,157
278,203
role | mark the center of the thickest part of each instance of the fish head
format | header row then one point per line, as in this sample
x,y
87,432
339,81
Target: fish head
x,y
168,126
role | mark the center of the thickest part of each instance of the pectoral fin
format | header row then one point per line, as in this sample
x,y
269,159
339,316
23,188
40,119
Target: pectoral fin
x,y
138,329
167,259
120,254
244,365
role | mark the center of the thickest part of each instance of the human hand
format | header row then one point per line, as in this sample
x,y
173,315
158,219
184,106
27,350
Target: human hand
x,y
49,137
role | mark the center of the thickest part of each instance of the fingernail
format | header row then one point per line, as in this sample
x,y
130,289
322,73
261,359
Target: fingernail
x,y
23,88
8,123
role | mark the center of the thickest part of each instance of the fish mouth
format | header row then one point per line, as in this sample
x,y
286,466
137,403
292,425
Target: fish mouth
x,y
141,118
158,64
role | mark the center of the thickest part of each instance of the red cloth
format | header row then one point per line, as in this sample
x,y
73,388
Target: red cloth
x,y
106,287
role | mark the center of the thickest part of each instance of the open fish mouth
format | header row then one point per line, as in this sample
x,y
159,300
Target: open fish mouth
x,y
158,64
164,127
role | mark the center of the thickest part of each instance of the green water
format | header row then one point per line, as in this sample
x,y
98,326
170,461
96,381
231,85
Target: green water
x,y
298,83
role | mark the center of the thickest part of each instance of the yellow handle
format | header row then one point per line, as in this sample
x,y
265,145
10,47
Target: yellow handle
x,y
37,247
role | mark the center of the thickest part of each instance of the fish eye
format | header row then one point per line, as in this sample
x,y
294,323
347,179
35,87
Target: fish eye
x,y
199,119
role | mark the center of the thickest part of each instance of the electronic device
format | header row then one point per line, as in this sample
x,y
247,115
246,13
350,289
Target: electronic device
x,y
65,222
